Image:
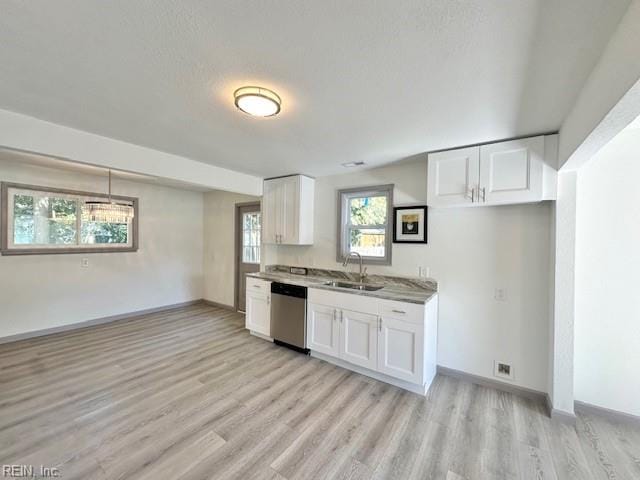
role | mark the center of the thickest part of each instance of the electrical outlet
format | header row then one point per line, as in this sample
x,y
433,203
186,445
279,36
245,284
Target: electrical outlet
x,y
500,294
423,272
503,370
84,263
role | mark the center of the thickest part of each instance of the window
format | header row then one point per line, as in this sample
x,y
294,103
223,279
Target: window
x,y
46,220
251,237
365,216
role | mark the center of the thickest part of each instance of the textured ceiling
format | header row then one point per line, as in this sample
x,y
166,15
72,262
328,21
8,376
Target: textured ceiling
x,y
360,80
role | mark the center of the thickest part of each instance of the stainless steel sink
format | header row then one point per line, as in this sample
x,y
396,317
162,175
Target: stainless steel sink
x,y
353,286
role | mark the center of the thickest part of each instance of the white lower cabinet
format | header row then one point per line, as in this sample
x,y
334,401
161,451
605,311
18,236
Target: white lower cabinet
x,y
392,341
359,338
258,306
400,349
323,329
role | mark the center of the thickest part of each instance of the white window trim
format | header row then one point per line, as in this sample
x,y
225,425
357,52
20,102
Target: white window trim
x,y
7,247
343,222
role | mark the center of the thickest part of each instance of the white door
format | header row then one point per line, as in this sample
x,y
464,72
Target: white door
x,y
258,314
400,348
270,212
359,338
323,330
452,176
289,210
511,172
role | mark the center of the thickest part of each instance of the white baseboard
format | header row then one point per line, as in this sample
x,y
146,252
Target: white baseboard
x,y
96,321
412,387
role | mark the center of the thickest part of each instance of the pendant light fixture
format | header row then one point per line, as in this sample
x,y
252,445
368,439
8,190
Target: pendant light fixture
x,y
107,212
257,101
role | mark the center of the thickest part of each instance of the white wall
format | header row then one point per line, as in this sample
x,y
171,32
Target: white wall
x,y
598,113
21,132
607,324
219,227
43,291
470,253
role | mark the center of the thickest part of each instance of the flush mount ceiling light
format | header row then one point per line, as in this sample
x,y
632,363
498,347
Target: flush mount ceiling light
x,y
257,101
107,212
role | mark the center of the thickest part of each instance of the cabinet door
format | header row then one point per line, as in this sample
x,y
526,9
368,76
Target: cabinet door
x,y
359,338
289,210
400,349
451,177
511,172
258,313
323,329
270,212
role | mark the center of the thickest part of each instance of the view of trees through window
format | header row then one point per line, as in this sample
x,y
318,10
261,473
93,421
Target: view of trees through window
x,y
367,225
42,219
251,237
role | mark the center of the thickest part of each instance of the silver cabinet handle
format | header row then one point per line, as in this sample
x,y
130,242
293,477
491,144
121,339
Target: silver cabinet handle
x,y
399,311
335,317
484,194
379,324
341,315
473,194
257,286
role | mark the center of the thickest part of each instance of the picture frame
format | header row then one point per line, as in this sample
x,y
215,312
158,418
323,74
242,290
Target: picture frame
x,y
410,224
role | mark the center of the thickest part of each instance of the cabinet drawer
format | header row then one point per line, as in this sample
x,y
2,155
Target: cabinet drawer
x,y
408,312
257,286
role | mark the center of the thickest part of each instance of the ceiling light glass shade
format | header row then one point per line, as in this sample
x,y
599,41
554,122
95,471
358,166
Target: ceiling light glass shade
x,y
257,101
106,212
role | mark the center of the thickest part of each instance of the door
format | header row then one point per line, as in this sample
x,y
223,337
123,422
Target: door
x,y
400,349
359,338
248,237
258,314
323,329
511,172
452,176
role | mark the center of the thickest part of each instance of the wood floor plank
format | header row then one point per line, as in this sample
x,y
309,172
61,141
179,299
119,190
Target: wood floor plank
x,y
188,393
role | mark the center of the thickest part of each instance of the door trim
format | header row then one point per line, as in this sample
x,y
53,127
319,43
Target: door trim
x,y
236,250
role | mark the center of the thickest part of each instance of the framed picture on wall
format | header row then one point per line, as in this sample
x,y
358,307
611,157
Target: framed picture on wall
x,y
410,224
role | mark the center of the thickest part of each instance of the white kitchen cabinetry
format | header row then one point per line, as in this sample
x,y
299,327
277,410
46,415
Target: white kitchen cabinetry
x,y
323,329
388,340
452,176
359,338
287,210
517,171
258,306
400,349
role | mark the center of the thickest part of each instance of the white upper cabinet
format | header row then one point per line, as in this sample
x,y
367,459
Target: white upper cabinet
x,y
288,210
517,171
452,176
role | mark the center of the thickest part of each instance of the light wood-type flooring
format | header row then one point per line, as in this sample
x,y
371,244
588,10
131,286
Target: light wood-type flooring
x,y
190,394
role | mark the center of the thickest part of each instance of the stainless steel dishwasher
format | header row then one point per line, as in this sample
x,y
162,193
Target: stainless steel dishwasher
x,y
289,316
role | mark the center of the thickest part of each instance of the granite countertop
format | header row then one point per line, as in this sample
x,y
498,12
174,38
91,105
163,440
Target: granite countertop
x,y
388,292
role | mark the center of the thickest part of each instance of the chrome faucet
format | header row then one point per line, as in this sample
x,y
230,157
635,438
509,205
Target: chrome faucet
x,y
363,273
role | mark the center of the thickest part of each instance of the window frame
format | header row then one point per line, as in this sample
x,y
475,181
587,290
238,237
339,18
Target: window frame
x,y
5,249
344,196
